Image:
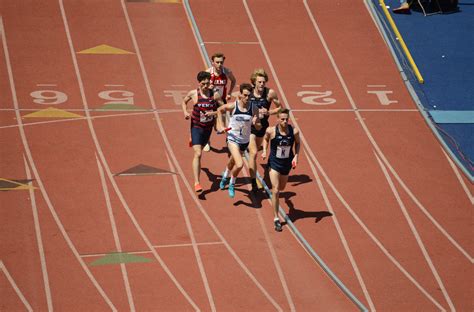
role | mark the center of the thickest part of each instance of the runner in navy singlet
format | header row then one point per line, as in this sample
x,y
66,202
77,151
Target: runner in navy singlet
x,y
205,103
282,137
262,97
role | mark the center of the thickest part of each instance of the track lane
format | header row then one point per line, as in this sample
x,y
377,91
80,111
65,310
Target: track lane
x,y
276,53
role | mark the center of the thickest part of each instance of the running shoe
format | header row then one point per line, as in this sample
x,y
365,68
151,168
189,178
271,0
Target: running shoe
x,y
278,227
198,188
207,148
223,183
231,190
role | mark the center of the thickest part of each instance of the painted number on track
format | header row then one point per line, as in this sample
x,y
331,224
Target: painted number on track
x,y
117,97
48,97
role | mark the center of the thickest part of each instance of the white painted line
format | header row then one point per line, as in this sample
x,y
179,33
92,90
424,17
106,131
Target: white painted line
x,y
353,110
39,240
38,178
372,140
189,227
303,139
310,86
230,42
106,167
155,246
12,281
71,119
374,144
459,177
179,169
181,85
46,85
115,234
376,86
273,254
114,85
339,230
413,229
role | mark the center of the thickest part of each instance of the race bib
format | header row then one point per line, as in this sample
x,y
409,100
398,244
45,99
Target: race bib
x,y
203,118
283,151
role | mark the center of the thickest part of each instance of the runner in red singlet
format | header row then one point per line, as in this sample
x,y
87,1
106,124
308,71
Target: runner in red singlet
x,y
205,103
220,77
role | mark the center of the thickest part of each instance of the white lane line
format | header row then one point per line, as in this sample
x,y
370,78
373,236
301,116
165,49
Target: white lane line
x,y
118,246
376,86
230,42
38,178
426,212
39,239
415,233
353,110
273,254
155,246
114,85
311,86
46,85
180,170
369,233
14,285
459,177
306,145
106,166
189,227
339,230
369,134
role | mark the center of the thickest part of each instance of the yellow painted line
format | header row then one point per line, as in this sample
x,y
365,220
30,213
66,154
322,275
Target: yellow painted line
x,y
402,42
17,186
52,112
104,49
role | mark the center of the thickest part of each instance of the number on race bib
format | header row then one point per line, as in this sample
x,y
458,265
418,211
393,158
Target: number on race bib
x,y
283,151
204,118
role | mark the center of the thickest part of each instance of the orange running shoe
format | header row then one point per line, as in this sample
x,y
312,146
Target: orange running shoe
x,y
197,188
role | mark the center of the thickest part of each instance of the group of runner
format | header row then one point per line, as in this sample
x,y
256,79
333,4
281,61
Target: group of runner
x,y
247,128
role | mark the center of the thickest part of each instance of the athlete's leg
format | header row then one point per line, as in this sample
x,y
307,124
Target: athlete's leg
x,y
275,180
236,156
197,163
254,145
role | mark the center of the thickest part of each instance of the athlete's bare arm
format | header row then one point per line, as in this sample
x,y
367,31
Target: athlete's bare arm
x,y
190,96
220,115
296,133
233,81
269,133
273,98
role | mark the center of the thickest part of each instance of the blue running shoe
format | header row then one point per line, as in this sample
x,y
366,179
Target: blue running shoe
x,y
223,183
231,190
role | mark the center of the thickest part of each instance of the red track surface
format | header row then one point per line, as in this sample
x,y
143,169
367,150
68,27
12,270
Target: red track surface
x,y
400,232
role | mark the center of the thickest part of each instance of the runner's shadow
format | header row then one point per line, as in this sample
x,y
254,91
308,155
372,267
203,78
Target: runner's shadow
x,y
223,150
214,179
254,199
296,179
295,214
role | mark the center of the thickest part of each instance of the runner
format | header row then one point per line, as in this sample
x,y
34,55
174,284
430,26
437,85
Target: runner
x,y
220,76
205,103
282,159
262,98
241,120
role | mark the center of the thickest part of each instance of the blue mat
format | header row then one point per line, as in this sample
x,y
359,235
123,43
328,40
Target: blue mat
x,y
442,46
